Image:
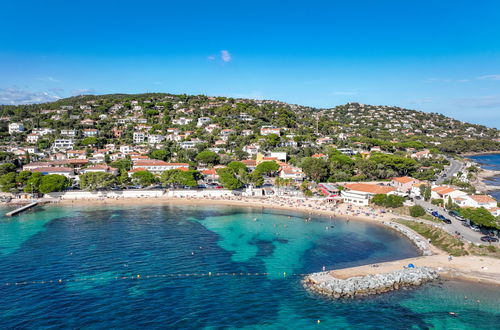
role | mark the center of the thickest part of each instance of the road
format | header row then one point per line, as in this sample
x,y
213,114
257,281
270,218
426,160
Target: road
x,y
455,167
456,225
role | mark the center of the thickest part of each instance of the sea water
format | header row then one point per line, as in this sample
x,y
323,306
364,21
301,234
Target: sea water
x,y
490,162
172,266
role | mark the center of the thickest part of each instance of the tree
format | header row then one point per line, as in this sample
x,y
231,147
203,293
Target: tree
x,y
144,178
267,168
89,141
315,168
417,211
272,140
392,201
256,179
207,157
7,168
449,203
122,164
228,179
33,183
480,216
236,167
97,180
160,154
53,182
8,182
22,177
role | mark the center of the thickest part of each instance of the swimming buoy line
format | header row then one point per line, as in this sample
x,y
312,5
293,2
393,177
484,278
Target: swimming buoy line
x,y
141,277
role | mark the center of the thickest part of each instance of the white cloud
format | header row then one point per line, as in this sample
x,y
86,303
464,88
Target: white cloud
x,y
225,56
490,77
82,91
19,96
211,58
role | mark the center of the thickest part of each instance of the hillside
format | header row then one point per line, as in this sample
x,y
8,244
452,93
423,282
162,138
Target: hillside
x,y
375,125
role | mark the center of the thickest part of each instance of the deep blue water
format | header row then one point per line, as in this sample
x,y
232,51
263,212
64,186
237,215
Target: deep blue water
x,y
490,162
88,248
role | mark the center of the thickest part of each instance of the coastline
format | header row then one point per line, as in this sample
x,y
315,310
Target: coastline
x,y
469,268
479,153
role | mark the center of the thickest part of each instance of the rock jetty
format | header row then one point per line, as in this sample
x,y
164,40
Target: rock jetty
x,y
421,243
326,284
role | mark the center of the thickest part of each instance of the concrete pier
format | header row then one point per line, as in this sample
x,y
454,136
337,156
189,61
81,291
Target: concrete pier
x,y
22,208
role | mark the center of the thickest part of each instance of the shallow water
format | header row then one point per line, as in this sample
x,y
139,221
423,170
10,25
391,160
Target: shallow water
x,y
90,249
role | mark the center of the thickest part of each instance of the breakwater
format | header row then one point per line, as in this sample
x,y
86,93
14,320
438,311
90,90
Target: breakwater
x,y
420,242
326,284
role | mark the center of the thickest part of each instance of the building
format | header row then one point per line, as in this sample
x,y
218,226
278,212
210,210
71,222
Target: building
x,y
267,130
65,171
203,121
158,166
403,184
99,169
291,172
63,144
32,138
476,201
90,132
139,137
362,193
68,132
16,128
155,138
324,140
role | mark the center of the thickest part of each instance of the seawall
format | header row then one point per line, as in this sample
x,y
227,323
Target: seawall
x,y
328,285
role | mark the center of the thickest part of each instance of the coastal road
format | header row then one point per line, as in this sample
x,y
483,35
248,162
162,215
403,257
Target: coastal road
x,y
455,225
455,167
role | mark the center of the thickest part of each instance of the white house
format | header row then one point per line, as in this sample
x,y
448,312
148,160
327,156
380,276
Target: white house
x,y
157,166
65,144
362,193
267,130
155,138
68,132
16,128
90,132
140,137
32,138
203,121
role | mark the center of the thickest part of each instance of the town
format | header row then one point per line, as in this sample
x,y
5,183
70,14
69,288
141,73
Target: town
x,y
214,146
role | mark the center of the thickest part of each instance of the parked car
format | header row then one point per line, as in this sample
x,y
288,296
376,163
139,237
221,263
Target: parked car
x,y
435,214
465,224
428,210
475,228
489,239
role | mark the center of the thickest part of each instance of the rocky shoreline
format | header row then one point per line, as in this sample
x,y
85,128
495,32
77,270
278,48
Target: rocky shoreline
x,y
421,243
326,284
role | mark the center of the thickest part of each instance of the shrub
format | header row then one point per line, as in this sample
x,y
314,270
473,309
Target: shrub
x,y
417,211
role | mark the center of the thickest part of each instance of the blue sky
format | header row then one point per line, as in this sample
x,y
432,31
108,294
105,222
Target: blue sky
x,y
435,56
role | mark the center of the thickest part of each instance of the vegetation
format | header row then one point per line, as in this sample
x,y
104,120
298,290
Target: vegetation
x,y
392,201
97,180
480,217
417,211
438,237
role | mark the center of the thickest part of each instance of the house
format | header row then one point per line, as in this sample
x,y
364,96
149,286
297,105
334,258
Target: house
x,y
139,137
88,122
267,130
291,172
68,132
90,132
246,132
210,175
421,154
362,193
212,127
79,154
250,164
99,169
158,166
32,138
42,131
445,192
63,144
251,149
324,140
476,201
322,156
66,171
203,121
403,184
189,144
16,128
155,138
126,149
182,121
279,155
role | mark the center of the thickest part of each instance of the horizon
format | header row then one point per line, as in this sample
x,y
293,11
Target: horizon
x,y
440,58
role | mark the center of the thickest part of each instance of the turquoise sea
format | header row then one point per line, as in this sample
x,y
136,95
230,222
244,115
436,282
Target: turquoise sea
x,y
490,162
129,267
